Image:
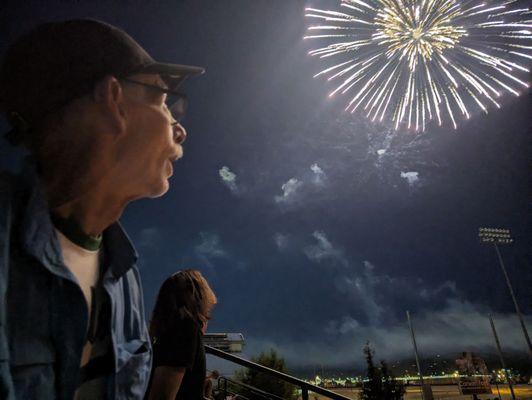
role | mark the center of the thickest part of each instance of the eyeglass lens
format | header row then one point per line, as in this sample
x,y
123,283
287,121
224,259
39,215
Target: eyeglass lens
x,y
178,108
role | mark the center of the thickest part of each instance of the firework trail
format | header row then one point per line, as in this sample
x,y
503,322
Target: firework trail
x,y
418,60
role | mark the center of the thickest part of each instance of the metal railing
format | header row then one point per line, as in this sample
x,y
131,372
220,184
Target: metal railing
x,y
225,385
305,387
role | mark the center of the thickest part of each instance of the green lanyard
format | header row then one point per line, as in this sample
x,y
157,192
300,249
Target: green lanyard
x,y
73,232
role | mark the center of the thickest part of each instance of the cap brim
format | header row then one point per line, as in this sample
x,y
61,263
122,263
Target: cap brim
x,y
173,74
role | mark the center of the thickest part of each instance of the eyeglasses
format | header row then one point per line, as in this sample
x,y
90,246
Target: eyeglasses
x,y
176,102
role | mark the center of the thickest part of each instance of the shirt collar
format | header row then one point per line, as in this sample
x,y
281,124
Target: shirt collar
x,y
120,251
37,231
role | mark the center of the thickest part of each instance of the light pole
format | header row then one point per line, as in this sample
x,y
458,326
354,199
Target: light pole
x,y
496,237
502,359
420,374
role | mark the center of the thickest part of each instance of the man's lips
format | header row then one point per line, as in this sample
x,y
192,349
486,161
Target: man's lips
x,y
172,160
170,169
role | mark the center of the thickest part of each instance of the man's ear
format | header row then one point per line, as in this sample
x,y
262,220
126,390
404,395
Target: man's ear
x,y
108,94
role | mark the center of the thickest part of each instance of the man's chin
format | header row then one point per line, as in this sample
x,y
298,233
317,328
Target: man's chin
x,y
160,190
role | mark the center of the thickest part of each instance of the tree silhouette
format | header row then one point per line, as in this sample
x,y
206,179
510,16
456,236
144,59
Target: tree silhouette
x,y
265,382
380,384
391,389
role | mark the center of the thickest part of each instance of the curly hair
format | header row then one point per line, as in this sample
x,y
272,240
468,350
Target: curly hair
x,y
185,294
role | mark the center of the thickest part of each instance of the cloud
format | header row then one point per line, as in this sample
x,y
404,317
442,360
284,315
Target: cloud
x,y
412,177
323,249
304,187
374,296
290,189
443,323
360,289
228,179
149,238
319,176
374,308
347,324
209,246
281,241
316,169
444,289
460,326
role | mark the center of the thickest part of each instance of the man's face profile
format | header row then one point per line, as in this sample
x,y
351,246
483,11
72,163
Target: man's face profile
x,y
152,140
113,136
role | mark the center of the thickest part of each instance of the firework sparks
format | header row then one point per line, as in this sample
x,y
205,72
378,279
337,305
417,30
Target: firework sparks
x,y
418,60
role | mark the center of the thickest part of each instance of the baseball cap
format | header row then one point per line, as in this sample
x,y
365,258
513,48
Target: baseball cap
x,y
58,62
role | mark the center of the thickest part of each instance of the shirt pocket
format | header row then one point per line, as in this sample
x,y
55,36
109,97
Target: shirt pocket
x,y
133,369
132,351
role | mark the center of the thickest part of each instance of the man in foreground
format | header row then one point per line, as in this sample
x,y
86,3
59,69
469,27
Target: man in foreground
x,y
91,107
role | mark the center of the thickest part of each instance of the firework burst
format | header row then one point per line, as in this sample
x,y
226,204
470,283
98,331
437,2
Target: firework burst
x,y
418,60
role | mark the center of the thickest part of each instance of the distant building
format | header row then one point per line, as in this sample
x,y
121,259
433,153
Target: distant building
x,y
476,379
228,342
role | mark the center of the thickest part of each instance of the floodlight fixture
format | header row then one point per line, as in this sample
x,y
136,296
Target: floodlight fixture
x,y
495,236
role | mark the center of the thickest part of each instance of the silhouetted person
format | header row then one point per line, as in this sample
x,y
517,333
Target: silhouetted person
x,y
208,388
178,322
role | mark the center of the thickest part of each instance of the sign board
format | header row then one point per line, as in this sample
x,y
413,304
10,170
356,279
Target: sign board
x,y
474,377
474,385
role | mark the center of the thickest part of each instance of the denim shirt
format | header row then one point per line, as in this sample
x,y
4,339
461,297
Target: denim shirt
x,y
43,313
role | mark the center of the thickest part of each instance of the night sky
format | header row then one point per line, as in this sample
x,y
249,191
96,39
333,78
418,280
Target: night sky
x,y
317,228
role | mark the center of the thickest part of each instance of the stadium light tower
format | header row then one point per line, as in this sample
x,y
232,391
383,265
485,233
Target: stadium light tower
x,y
417,356
502,359
496,237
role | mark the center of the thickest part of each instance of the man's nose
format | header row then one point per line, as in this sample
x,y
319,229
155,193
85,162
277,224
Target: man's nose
x,y
180,134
